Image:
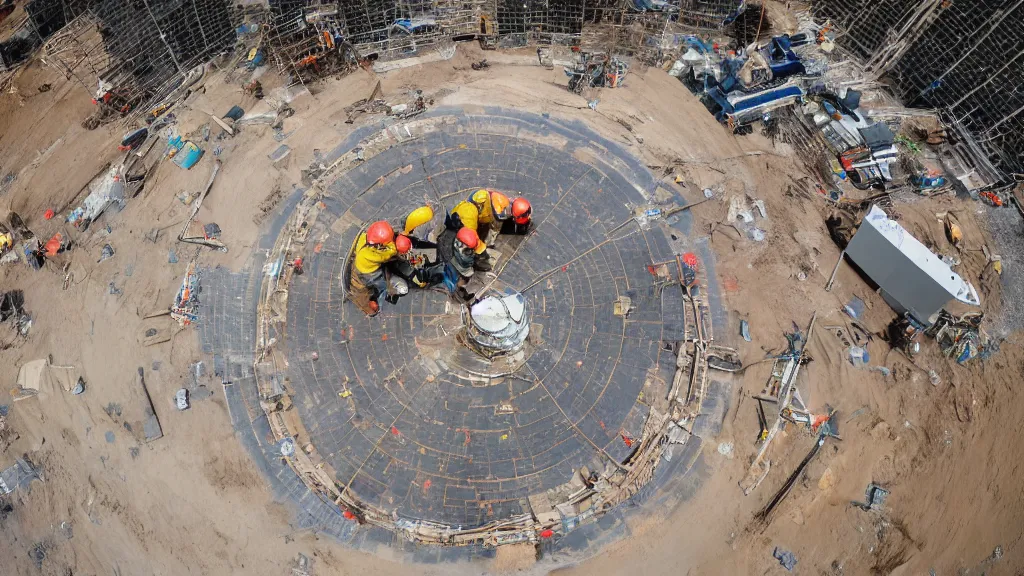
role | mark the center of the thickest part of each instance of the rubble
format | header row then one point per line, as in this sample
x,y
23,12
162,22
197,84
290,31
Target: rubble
x,y
785,558
960,337
18,475
105,190
875,497
181,399
12,308
41,378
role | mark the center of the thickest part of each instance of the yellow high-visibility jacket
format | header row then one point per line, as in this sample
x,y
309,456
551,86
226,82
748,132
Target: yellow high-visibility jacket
x,y
369,258
470,216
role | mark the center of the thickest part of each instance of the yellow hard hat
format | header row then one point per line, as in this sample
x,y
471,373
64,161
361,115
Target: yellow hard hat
x,y
418,217
5,241
480,197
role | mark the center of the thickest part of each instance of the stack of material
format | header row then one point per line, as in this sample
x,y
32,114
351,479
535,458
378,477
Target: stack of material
x,y
40,378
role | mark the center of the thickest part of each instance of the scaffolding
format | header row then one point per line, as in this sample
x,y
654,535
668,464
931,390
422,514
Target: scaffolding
x,y
965,59
129,55
134,54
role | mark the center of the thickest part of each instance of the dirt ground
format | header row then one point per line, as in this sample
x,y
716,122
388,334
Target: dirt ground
x,y
192,503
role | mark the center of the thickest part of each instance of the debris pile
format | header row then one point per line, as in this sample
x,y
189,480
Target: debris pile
x,y
186,302
961,338
12,310
746,85
106,190
595,70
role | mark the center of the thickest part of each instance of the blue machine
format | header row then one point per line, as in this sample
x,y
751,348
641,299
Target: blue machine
x,y
742,108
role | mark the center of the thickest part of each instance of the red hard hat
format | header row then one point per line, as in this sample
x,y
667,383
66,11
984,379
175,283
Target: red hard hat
x,y
521,210
468,237
403,243
380,232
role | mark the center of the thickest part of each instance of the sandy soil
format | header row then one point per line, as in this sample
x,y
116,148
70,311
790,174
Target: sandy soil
x,y
191,502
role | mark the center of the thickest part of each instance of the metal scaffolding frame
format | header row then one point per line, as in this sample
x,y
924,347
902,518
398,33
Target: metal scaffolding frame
x,y
133,53
966,59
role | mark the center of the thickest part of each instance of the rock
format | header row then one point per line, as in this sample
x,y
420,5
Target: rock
x,y
726,449
827,480
881,431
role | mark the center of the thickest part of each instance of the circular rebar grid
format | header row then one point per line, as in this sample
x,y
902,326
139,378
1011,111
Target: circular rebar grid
x,y
398,418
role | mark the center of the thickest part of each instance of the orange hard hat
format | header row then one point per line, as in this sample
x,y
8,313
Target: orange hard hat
x,y
500,205
380,232
468,237
521,210
403,243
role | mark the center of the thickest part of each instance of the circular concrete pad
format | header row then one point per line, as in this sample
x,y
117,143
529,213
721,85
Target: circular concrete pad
x,y
422,439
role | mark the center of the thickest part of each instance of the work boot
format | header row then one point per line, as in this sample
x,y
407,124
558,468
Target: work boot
x,y
463,295
482,262
374,309
392,299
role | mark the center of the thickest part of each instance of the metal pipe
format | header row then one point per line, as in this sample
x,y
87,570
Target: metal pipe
x,y
832,278
163,39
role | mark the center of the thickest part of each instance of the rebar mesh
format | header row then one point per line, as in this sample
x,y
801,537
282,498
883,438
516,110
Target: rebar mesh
x,y
964,58
867,24
133,53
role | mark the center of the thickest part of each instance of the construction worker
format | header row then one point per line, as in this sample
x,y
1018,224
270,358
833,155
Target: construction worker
x,y
415,219
458,251
520,220
374,249
415,267
477,213
490,205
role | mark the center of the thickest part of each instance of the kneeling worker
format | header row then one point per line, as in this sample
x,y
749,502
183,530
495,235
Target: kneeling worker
x,y
374,249
482,209
458,251
414,266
